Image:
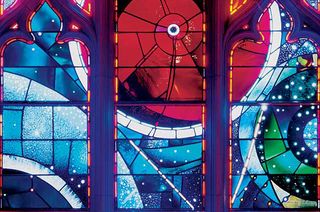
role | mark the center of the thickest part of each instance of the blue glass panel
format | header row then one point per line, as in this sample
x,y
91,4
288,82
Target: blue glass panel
x,y
37,123
45,39
38,92
54,200
12,124
61,155
12,147
26,53
32,200
16,87
40,151
78,158
31,192
45,19
64,84
61,53
42,75
70,123
126,186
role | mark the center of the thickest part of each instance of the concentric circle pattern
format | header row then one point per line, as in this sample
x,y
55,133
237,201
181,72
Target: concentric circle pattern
x,y
160,110
275,113
160,51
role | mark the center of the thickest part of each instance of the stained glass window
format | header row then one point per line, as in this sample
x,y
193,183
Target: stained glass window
x,y
45,112
274,117
160,94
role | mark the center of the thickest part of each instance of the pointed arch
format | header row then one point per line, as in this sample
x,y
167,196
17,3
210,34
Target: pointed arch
x,y
160,105
45,104
271,112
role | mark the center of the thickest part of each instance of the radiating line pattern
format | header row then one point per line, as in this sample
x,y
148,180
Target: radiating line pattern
x,y
160,105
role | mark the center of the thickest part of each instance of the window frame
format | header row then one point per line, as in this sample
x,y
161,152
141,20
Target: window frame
x,y
222,31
